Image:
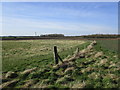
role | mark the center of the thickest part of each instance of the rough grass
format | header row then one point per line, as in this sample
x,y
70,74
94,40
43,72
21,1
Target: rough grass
x,y
18,55
111,45
89,72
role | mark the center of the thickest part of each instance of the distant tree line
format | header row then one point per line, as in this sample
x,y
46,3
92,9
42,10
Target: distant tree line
x,y
52,35
47,36
58,36
102,36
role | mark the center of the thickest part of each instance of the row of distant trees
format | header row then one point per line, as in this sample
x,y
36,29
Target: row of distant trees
x,y
59,36
102,36
31,37
52,35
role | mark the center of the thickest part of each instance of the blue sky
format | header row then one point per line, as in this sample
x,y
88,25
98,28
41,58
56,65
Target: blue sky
x,y
68,18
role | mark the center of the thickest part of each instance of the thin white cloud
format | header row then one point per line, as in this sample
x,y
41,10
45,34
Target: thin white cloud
x,y
54,12
26,26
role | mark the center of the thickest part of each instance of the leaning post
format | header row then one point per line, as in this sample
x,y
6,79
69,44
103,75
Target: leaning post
x,y
55,55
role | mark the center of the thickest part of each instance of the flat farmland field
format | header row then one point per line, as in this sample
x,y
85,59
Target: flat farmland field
x,y
86,64
18,55
110,44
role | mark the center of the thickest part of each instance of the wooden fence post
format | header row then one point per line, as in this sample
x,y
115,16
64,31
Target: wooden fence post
x,y
55,55
60,58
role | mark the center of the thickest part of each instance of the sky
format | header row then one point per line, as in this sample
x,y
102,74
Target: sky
x,y
68,18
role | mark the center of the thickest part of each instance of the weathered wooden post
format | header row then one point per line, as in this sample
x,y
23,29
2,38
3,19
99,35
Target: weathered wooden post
x,y
55,55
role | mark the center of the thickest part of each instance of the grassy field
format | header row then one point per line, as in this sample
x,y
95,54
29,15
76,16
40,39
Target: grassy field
x,y
91,71
18,55
111,45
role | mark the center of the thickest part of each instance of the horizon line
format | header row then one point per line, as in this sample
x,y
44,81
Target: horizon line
x,y
49,34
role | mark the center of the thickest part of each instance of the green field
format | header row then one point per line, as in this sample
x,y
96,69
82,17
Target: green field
x,y
111,45
18,55
86,72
